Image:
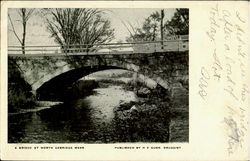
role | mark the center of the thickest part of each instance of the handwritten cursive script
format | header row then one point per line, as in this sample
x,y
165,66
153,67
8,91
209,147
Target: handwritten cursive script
x,y
227,37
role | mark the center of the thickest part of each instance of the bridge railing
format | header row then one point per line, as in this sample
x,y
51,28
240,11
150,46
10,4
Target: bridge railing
x,y
179,44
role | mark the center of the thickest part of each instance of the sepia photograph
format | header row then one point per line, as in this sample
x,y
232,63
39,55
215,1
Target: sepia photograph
x,y
129,80
98,75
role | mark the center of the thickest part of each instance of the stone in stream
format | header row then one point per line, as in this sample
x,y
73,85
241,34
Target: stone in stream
x,y
85,134
133,108
125,106
143,92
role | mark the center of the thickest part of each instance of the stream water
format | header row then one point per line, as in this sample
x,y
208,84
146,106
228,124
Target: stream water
x,y
100,117
86,119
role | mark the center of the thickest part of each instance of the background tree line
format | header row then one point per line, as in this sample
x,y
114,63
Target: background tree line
x,y
74,26
153,26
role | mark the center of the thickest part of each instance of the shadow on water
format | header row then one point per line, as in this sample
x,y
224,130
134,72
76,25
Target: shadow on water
x,y
60,123
16,126
81,120
64,115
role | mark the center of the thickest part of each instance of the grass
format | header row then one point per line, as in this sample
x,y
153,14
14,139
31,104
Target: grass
x,y
114,74
104,83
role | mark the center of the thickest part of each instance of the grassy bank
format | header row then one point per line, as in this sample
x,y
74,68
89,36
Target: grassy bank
x,y
154,118
146,120
104,83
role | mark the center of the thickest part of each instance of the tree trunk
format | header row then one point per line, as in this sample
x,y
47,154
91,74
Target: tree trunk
x,y
24,31
24,35
162,16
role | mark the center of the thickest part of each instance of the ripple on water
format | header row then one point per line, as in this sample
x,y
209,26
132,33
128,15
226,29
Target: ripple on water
x,y
87,120
103,103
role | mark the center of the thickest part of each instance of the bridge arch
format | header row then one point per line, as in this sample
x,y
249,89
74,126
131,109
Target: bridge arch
x,y
68,77
64,66
40,70
79,72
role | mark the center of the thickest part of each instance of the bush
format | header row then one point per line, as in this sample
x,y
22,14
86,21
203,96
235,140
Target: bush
x,y
149,122
19,91
102,82
19,98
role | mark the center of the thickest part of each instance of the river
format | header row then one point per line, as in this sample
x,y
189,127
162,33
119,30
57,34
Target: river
x,y
111,113
87,119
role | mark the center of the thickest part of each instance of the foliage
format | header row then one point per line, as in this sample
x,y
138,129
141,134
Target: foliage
x,y
104,83
179,24
147,122
19,95
150,29
19,99
78,26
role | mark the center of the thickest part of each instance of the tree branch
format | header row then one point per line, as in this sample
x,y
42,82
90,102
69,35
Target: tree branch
x,y
14,31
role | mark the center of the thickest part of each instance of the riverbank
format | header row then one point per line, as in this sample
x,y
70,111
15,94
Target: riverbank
x,y
155,117
146,120
108,110
39,106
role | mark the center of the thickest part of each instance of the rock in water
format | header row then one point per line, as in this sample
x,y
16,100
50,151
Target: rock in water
x,y
142,92
133,108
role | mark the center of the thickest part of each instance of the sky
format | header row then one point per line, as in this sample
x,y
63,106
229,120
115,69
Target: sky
x,y
38,35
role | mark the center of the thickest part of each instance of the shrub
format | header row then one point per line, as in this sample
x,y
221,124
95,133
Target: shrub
x,y
19,95
19,98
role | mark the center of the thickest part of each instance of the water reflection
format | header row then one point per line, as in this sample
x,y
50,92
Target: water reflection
x,y
86,119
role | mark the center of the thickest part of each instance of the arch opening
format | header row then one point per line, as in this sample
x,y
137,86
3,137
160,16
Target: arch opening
x,y
56,89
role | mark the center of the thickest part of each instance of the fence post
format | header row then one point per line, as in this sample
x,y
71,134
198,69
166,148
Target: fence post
x,y
87,50
162,45
179,44
162,16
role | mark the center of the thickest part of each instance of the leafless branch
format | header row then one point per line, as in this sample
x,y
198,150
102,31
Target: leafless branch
x,y
128,29
13,29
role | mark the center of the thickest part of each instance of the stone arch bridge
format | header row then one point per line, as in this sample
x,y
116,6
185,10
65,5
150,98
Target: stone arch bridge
x,y
168,69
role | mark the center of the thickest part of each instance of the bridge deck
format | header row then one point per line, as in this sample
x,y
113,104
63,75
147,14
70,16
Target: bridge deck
x,y
102,49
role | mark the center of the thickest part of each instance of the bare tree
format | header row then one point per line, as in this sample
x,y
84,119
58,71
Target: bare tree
x,y
149,31
74,26
25,14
